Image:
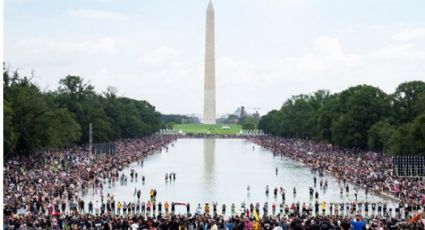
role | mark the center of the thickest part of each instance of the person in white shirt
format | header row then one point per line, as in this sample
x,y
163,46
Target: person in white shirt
x,y
214,226
134,226
199,210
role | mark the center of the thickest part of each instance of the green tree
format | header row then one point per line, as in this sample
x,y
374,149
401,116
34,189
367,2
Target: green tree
x,y
345,132
31,123
60,129
419,105
248,123
232,119
79,98
170,125
409,138
35,120
405,100
29,107
9,133
131,118
379,136
267,122
402,141
325,116
360,107
299,118
418,135
360,117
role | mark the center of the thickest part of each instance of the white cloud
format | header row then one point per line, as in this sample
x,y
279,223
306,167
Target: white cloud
x,y
290,5
410,34
171,77
267,83
406,52
162,56
328,47
97,14
105,45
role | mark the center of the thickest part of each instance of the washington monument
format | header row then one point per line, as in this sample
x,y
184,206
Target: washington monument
x,y
209,81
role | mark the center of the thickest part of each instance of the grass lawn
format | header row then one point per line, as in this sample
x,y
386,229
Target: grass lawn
x,y
213,129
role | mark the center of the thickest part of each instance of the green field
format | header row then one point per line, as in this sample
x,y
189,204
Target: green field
x,y
212,129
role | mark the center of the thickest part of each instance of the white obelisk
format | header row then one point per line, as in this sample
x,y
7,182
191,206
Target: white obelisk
x,y
209,81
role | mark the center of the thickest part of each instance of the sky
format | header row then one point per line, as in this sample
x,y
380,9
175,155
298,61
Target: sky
x,y
266,50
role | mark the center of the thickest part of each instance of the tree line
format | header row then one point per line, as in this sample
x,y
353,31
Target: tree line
x,y
170,120
362,117
45,120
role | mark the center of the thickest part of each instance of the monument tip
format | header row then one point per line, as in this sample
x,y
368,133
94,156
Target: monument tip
x,y
210,6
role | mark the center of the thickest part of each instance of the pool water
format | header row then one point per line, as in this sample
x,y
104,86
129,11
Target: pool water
x,y
219,170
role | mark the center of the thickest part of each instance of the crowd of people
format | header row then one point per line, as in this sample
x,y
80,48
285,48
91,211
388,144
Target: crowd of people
x,y
205,219
369,170
35,182
41,191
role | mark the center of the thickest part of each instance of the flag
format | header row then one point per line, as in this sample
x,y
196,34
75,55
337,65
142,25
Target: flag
x,y
416,218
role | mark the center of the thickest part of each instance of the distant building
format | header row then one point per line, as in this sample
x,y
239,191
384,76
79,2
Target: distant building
x,y
243,113
256,116
237,112
232,119
228,119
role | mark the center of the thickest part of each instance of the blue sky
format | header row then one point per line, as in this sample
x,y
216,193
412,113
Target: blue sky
x,y
266,50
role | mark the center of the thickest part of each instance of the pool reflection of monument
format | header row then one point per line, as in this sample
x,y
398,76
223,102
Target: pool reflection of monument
x,y
209,162
210,170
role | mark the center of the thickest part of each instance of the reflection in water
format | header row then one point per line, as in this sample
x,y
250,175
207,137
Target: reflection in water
x,y
209,155
220,170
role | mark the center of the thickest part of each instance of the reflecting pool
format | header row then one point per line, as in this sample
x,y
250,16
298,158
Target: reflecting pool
x,y
219,170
